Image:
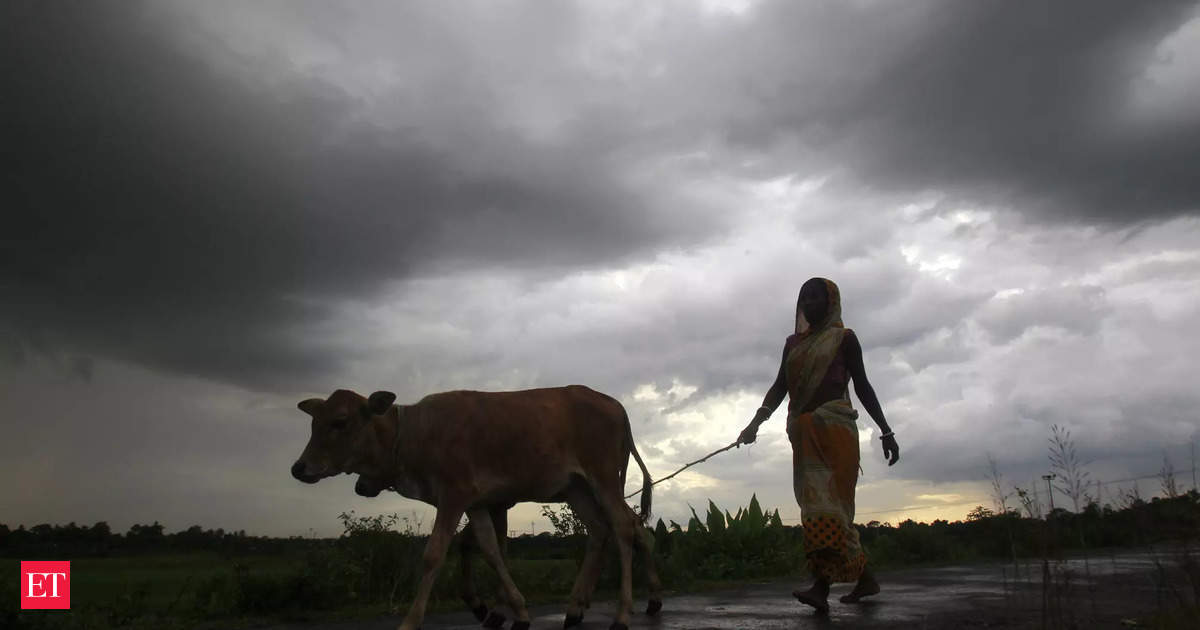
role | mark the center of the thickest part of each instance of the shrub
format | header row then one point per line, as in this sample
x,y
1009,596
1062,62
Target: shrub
x,y
748,544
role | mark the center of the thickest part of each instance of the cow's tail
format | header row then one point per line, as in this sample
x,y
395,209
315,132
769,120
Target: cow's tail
x,y
647,482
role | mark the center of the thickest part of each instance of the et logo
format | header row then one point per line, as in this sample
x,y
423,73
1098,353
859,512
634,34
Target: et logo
x,y
46,585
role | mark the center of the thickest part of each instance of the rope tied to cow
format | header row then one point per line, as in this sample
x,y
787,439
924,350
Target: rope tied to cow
x,y
686,466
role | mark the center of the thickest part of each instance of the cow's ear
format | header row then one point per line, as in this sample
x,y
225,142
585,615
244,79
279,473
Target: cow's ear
x,y
379,402
310,406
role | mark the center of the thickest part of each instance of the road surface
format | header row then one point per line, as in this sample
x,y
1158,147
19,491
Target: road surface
x,y
971,596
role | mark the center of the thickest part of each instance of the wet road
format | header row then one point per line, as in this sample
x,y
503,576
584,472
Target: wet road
x,y
948,597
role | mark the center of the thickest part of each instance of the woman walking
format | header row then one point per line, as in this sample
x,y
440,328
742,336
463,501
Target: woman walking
x,y
819,361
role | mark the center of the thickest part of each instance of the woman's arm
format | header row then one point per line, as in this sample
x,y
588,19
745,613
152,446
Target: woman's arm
x,y
866,395
774,397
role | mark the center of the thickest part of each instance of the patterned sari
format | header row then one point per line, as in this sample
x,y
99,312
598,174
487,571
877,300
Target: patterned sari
x,y
825,456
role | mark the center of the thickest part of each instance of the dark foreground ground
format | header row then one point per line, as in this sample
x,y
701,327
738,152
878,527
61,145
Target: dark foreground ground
x,y
1145,589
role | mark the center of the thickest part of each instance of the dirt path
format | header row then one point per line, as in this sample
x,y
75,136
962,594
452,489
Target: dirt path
x,y
1124,586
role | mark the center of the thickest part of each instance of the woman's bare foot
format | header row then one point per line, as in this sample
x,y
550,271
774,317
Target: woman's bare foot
x,y
866,587
817,596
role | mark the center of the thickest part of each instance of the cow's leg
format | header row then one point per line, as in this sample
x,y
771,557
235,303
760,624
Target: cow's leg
x,y
485,535
645,541
499,514
589,573
466,547
585,506
622,520
435,553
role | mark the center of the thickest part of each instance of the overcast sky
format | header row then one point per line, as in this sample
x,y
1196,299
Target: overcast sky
x,y
218,209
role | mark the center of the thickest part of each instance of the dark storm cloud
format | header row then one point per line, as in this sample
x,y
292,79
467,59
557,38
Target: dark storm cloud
x,y
163,211
171,195
425,196
1025,106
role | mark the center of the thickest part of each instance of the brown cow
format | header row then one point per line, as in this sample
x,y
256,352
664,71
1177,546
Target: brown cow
x,y
368,487
464,452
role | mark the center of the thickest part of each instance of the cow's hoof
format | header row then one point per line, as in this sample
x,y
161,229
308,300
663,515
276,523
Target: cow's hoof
x,y
618,626
494,620
653,606
572,620
480,612
520,625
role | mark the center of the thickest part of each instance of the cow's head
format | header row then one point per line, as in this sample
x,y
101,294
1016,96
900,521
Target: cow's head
x,y
341,438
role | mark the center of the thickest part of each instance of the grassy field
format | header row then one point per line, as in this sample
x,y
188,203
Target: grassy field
x,y
107,592
190,589
157,582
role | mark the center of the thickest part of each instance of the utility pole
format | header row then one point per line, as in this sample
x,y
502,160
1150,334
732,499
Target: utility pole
x,y
1050,491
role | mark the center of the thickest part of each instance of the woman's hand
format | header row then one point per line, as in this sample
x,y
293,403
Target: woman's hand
x,y
891,450
749,434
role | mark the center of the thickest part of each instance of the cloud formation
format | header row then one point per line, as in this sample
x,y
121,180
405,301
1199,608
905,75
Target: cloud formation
x,y
227,207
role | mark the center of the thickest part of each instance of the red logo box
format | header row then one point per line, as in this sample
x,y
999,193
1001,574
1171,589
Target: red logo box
x,y
46,585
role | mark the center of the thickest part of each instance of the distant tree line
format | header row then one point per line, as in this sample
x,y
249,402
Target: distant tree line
x,y
69,541
988,535
984,534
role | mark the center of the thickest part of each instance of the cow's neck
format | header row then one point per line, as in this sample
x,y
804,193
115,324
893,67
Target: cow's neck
x,y
388,458
377,451
392,457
